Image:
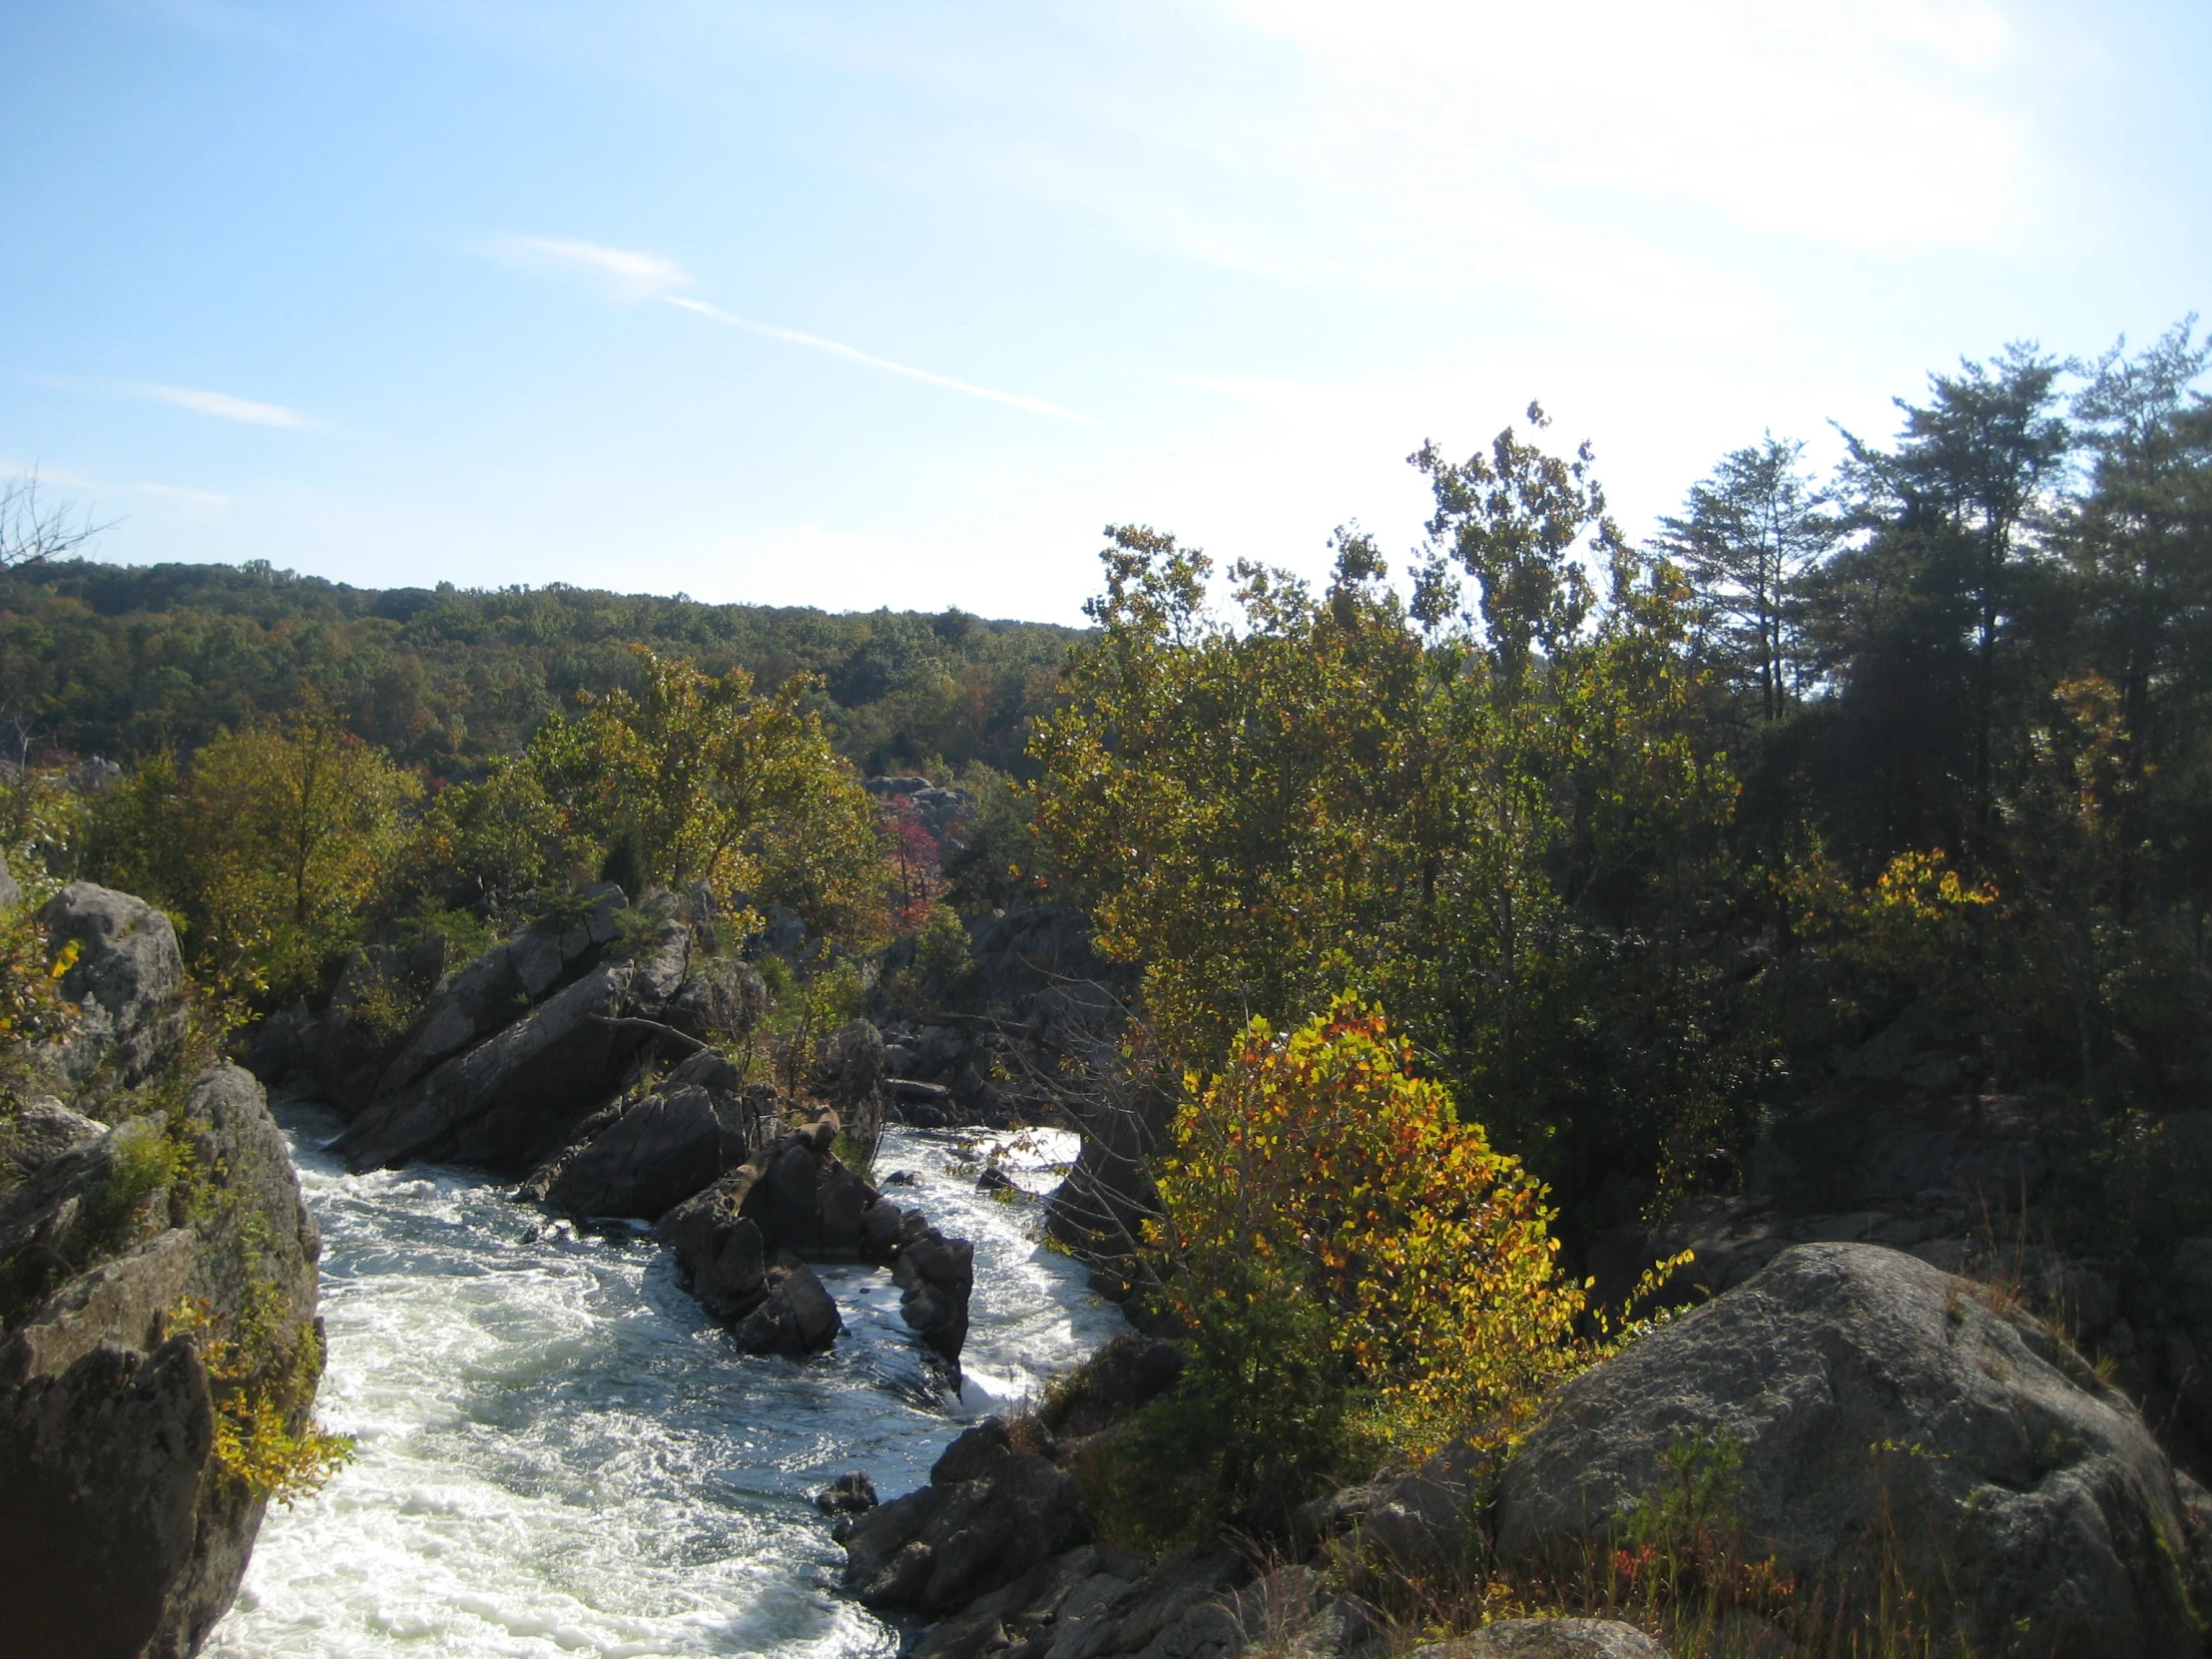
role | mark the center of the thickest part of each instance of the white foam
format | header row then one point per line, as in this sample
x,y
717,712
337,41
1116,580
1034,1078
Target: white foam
x,y
559,1455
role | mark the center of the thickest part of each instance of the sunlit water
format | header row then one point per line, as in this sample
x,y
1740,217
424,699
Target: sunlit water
x,y
559,1455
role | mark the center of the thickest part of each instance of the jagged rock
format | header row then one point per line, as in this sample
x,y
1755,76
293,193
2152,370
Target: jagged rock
x,y
723,1002
995,1180
1419,1523
852,1493
42,1131
936,1276
513,1098
128,983
1548,1639
794,1196
122,1533
498,987
851,1078
796,1317
1877,1405
644,1157
988,1516
1128,1372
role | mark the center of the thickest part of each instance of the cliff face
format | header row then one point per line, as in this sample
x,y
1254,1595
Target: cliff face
x,y
158,1339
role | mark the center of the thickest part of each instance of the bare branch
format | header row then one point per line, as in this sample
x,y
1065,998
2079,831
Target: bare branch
x,y
31,532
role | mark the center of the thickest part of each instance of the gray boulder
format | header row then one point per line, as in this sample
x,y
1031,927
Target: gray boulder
x,y
498,987
42,1131
644,1157
10,894
796,1317
1885,1420
512,1099
128,983
988,1516
123,1535
1548,1639
936,1276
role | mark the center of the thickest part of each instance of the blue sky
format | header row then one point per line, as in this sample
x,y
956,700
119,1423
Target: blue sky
x,y
853,305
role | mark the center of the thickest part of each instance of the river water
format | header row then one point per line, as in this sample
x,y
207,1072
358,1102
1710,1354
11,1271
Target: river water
x,y
558,1453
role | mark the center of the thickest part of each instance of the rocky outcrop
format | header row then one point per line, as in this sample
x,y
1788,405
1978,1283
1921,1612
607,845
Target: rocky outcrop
x,y
989,1514
128,983
795,1198
793,1315
123,1533
643,1156
507,1102
936,1276
1887,1420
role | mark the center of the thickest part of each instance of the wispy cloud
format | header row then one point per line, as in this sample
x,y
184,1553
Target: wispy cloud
x,y
1036,406
221,405
638,274
176,492
641,276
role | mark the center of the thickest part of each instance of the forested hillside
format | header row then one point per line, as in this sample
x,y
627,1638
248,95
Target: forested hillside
x,y
125,661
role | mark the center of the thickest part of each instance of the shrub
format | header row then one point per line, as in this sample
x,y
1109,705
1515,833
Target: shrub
x,y
1355,1268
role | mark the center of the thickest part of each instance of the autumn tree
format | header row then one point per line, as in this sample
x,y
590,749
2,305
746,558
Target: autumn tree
x,y
275,843
722,783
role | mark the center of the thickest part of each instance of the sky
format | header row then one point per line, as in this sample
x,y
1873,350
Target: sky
x,y
851,304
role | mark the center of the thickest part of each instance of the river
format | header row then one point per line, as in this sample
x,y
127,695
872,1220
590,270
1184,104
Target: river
x,y
558,1453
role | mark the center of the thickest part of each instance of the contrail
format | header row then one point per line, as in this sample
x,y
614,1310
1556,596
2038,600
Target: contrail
x,y
1036,406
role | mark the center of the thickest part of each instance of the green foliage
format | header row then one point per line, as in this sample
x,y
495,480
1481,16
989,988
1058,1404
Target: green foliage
x,y
132,661
1496,821
1319,1169
275,847
701,779
261,1372
943,961
33,1012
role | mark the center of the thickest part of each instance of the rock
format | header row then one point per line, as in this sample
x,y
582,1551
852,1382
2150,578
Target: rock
x,y
988,1516
851,1078
128,983
649,1155
1548,1639
995,1180
1878,1406
852,1493
936,1276
797,1317
512,1099
719,1248
122,1533
1128,1372
10,894
794,1197
497,988
1419,1523
42,1131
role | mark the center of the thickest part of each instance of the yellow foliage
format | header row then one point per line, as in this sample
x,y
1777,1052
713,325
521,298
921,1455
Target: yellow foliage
x,y
1319,1166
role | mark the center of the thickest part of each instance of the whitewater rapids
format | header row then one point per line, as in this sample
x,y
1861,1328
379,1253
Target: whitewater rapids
x,y
558,1453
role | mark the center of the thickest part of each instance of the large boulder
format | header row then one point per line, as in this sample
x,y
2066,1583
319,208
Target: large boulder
x,y
989,1514
1884,1425
936,1276
642,1156
515,1097
796,1317
794,1197
128,983
122,1532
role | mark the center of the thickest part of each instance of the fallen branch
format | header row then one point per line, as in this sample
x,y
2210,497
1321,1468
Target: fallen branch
x,y
631,1022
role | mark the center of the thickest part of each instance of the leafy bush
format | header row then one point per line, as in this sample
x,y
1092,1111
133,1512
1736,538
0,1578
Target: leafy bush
x,y
1358,1272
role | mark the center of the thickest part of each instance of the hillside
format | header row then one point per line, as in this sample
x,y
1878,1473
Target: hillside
x,y
100,659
